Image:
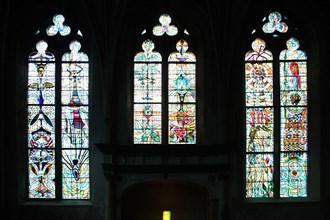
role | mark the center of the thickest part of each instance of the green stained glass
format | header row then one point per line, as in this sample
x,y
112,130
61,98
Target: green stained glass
x,y
75,124
259,130
259,121
294,124
259,176
290,93
75,174
182,82
148,55
293,174
147,82
182,95
147,123
259,84
182,123
147,95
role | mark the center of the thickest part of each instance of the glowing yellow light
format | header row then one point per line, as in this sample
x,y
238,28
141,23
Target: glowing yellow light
x,y
166,215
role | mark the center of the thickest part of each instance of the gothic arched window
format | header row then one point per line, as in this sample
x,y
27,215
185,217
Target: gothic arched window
x,y
276,115
165,89
57,110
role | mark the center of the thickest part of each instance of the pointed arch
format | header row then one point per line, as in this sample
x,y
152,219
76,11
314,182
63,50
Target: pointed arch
x,y
164,90
58,117
276,116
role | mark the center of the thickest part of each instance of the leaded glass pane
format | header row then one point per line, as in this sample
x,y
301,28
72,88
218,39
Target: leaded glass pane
x,y
41,83
41,126
293,174
259,84
147,124
148,55
58,26
41,123
75,174
294,124
182,123
182,55
293,79
292,52
165,26
41,171
182,95
182,82
147,95
259,176
75,127
294,129
147,82
259,130
75,124
275,24
259,121
258,53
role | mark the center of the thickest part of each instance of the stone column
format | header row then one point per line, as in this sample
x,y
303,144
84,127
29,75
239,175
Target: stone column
x,y
109,209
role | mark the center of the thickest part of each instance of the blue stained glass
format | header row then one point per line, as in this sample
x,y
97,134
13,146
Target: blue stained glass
x,y
293,174
259,175
58,26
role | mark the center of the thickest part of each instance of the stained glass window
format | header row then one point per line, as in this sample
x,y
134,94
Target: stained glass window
x,y
276,144
41,123
182,95
294,138
275,24
58,142
165,90
75,125
58,26
147,95
259,121
165,27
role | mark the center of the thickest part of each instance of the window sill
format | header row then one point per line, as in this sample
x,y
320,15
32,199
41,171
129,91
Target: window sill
x,y
56,203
